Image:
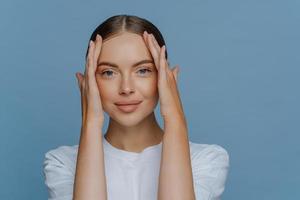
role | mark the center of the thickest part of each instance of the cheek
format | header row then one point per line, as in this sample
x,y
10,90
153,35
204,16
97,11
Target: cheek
x,y
107,92
148,88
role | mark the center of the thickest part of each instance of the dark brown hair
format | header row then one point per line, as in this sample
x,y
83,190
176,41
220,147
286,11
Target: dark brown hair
x,y
126,23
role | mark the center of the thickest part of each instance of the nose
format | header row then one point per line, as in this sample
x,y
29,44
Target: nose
x,y
126,86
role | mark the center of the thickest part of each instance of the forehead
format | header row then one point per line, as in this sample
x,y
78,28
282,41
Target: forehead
x,y
124,48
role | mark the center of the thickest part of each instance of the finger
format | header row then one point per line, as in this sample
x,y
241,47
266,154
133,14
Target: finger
x,y
166,63
81,83
145,38
158,48
162,64
88,59
91,58
153,51
155,42
97,49
90,78
175,71
79,79
87,64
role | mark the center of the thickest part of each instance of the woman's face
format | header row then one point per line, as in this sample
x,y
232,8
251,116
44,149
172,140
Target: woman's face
x,y
127,81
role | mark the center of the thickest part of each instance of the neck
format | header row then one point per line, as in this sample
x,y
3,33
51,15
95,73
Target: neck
x,y
134,138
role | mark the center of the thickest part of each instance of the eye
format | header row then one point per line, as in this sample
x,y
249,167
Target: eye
x,y
145,71
107,73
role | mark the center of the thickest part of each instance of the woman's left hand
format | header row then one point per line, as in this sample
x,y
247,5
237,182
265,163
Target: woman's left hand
x,y
175,175
170,104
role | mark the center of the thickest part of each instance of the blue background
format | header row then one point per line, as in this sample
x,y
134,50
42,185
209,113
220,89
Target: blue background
x,y
239,83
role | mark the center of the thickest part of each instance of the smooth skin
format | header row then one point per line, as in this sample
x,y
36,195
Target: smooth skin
x,y
90,180
129,81
175,179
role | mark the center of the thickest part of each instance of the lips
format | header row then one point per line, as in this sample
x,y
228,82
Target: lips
x,y
123,103
128,106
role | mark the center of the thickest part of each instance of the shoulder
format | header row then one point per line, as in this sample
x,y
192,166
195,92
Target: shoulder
x,y
212,153
212,158
63,152
210,166
59,170
63,155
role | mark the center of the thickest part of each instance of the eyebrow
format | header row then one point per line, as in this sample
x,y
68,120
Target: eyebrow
x,y
134,65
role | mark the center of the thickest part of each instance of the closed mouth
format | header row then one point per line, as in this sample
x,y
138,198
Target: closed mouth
x,y
126,104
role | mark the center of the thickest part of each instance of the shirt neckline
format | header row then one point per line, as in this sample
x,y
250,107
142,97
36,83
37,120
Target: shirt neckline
x,y
148,152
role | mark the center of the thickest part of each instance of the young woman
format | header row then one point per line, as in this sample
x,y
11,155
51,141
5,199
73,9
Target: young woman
x,y
127,72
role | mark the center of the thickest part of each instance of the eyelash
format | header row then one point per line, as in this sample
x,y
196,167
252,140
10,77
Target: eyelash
x,y
146,69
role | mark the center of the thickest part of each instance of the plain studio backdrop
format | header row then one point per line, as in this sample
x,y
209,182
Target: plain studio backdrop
x,y
239,84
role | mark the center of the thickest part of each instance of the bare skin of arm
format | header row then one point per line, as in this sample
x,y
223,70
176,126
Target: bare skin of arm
x,y
175,178
90,180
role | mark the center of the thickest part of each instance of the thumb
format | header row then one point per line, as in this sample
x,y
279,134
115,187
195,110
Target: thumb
x,y
175,71
79,78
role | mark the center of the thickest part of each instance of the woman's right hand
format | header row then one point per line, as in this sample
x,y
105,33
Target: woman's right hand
x,y
91,105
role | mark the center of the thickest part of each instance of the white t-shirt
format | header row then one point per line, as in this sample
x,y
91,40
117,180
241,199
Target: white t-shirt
x,y
134,176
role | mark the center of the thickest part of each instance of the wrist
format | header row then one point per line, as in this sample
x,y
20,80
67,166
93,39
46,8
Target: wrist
x,y
175,119
92,124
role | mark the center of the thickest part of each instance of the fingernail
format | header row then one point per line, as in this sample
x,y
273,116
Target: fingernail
x,y
91,42
152,37
98,37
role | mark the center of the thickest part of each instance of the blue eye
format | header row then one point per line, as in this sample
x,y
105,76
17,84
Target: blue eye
x,y
145,70
142,71
105,72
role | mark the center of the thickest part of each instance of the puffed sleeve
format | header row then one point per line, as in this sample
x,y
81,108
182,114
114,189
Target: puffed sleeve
x,y
210,165
59,178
